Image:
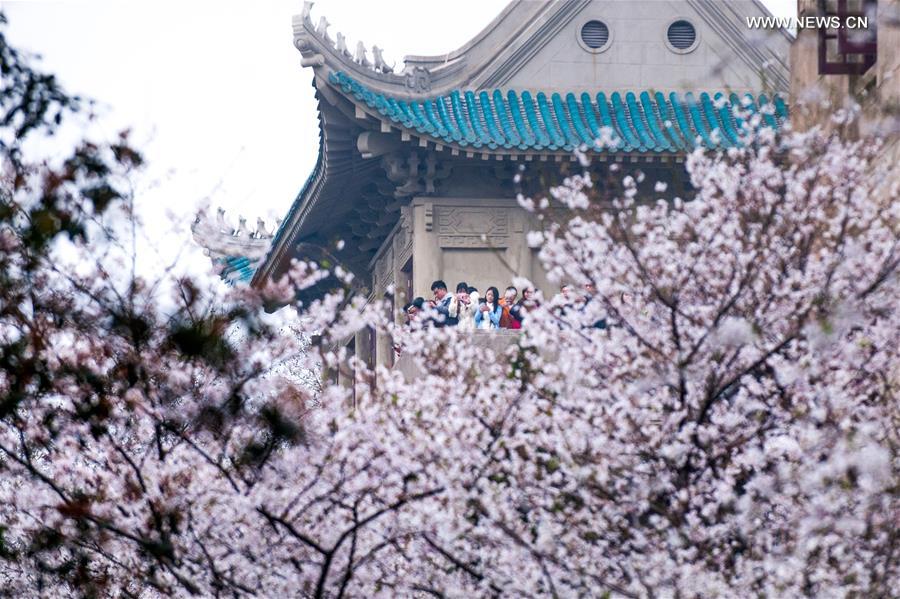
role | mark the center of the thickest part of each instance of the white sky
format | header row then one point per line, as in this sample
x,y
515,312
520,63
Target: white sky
x,y
213,91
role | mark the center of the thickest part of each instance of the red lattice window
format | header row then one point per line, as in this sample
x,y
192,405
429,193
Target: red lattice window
x,y
847,50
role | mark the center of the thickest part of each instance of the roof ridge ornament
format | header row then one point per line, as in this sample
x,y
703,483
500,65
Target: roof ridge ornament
x,y
380,64
261,232
341,46
361,55
241,230
312,41
304,14
221,239
322,30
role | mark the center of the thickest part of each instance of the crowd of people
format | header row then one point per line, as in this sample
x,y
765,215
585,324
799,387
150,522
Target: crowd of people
x,y
467,309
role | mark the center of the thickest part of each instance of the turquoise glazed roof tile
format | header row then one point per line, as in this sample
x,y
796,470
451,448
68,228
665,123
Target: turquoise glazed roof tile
x,y
638,122
237,269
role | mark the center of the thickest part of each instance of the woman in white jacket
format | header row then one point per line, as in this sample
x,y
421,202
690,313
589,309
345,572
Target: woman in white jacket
x,y
463,306
487,314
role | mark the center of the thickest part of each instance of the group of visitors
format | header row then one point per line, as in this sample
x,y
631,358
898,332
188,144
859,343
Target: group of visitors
x,y
569,299
468,310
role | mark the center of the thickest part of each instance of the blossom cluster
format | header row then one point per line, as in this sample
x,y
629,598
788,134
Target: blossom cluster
x,y
731,432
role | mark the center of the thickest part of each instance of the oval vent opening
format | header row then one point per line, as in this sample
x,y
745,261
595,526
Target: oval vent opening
x,y
682,35
595,34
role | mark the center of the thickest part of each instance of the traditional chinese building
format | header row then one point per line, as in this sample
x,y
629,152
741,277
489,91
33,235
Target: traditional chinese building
x,y
414,178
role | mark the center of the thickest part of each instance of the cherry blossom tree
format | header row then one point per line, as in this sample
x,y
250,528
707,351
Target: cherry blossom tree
x,y
732,431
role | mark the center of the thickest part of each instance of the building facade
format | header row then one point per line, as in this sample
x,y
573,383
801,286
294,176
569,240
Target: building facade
x,y
415,178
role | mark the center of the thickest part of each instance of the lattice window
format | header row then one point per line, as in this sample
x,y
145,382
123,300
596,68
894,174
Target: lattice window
x,y
846,49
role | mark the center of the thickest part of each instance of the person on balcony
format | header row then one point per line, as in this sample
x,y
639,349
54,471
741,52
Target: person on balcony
x,y
462,308
587,298
441,304
413,309
506,302
487,315
561,306
522,307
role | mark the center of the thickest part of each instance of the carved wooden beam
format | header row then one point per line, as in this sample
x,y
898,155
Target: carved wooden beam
x,y
374,143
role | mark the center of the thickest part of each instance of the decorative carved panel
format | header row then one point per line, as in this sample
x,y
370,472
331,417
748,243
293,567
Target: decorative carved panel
x,y
472,227
429,216
419,80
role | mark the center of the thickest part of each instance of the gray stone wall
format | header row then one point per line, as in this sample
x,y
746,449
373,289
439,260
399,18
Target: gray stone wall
x,y
638,57
480,241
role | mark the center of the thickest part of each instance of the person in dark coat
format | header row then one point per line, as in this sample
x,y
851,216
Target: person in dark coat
x,y
522,307
441,304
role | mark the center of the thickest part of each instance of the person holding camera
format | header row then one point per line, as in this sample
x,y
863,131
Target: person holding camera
x,y
441,304
463,308
413,309
487,315
507,302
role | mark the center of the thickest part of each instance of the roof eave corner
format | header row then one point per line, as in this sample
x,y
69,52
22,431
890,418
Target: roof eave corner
x,y
305,40
325,55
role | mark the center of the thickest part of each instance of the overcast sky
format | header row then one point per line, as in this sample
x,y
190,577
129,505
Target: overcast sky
x,y
213,91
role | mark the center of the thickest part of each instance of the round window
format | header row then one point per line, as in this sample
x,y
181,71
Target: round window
x,y
595,35
682,36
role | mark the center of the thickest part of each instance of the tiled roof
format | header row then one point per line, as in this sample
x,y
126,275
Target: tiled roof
x,y
237,269
643,122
